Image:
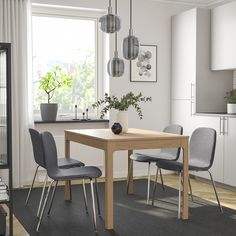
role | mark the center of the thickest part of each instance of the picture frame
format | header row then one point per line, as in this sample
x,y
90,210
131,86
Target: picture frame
x,y
144,68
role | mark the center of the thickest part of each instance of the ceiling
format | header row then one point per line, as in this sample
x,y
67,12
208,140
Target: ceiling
x,y
197,3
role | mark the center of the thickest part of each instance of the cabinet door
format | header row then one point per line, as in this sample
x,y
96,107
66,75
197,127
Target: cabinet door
x,y
183,54
223,37
217,168
230,152
182,114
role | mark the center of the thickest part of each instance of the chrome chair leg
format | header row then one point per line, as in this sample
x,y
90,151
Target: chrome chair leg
x,y
32,185
128,181
180,188
85,198
44,205
162,182
154,188
52,198
94,208
190,188
97,196
217,198
42,195
149,180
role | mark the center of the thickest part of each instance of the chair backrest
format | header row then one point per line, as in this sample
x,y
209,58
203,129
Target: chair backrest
x,y
37,144
202,147
174,129
50,153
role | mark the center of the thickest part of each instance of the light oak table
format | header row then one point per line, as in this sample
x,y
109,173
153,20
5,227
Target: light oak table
x,y
132,140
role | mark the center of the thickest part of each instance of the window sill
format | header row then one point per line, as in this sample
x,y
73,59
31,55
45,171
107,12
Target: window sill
x,y
64,120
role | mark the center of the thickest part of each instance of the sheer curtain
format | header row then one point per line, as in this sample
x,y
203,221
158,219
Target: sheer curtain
x,y
15,28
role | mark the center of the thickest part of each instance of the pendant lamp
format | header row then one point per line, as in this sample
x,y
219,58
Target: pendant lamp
x,y
115,66
130,43
110,23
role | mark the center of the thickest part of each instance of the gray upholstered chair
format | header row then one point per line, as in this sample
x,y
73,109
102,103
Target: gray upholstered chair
x,y
39,159
165,153
202,152
58,174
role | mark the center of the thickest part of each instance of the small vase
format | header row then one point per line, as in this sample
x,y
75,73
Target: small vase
x,y
122,118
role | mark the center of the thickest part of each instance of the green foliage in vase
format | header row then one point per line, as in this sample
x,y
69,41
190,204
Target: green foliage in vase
x,y
54,79
122,104
231,97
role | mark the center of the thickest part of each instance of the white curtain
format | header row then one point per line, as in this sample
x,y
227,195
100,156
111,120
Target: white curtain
x,y
15,28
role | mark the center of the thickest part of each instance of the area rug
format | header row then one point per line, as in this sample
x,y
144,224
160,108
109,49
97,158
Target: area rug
x,y
132,216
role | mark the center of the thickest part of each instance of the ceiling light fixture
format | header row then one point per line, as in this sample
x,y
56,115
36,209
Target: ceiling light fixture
x,y
115,66
110,23
130,43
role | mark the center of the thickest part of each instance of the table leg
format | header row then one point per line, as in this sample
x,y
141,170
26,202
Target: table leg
x,y
67,191
130,185
108,189
185,181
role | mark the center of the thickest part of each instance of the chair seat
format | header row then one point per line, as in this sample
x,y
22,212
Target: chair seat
x,y
139,157
69,163
83,172
178,166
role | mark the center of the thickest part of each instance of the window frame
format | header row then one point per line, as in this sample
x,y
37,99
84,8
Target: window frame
x,y
100,46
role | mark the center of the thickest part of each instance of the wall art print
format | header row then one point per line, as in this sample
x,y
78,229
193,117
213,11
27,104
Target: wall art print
x,y
144,68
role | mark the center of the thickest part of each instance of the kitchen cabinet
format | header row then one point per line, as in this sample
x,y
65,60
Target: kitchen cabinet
x,y
230,152
217,168
192,78
223,53
182,114
223,168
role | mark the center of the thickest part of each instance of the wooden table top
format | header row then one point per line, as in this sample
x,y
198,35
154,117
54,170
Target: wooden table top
x,y
132,134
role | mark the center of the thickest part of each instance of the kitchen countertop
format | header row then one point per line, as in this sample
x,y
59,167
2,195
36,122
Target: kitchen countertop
x,y
233,115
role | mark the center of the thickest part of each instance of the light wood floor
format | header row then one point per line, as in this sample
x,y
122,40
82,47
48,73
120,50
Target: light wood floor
x,y
200,188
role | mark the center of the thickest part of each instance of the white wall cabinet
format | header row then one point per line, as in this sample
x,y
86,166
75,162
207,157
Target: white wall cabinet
x,y
224,37
191,75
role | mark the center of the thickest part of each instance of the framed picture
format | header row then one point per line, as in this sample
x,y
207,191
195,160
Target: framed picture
x,y
144,68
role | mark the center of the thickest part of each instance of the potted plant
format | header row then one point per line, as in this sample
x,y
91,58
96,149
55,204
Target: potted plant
x,y
231,101
122,105
54,79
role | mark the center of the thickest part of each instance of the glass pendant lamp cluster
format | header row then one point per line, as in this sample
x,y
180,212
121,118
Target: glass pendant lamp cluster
x,y
111,24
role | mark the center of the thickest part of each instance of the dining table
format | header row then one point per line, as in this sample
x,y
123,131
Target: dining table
x,y
133,139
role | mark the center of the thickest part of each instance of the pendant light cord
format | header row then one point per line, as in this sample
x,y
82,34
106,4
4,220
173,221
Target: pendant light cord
x,y
131,17
116,52
109,8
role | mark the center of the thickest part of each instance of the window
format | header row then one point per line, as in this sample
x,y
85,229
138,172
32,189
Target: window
x,y
68,38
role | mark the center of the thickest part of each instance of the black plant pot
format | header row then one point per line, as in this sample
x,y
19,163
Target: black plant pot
x,y
116,128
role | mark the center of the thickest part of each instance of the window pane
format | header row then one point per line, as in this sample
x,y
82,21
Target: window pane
x,y
71,44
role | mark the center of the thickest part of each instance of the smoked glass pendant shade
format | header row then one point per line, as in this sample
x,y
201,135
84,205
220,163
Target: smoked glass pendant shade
x,y
110,23
115,67
130,47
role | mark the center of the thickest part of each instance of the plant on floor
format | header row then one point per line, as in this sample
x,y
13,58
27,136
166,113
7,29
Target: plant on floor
x,y
122,104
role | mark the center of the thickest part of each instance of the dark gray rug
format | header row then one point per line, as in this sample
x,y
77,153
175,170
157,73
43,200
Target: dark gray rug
x,y
132,217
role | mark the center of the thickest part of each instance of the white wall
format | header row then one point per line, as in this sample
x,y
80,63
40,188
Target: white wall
x,y
152,25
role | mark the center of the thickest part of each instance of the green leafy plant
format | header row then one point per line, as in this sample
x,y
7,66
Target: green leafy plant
x,y
122,104
231,96
54,79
